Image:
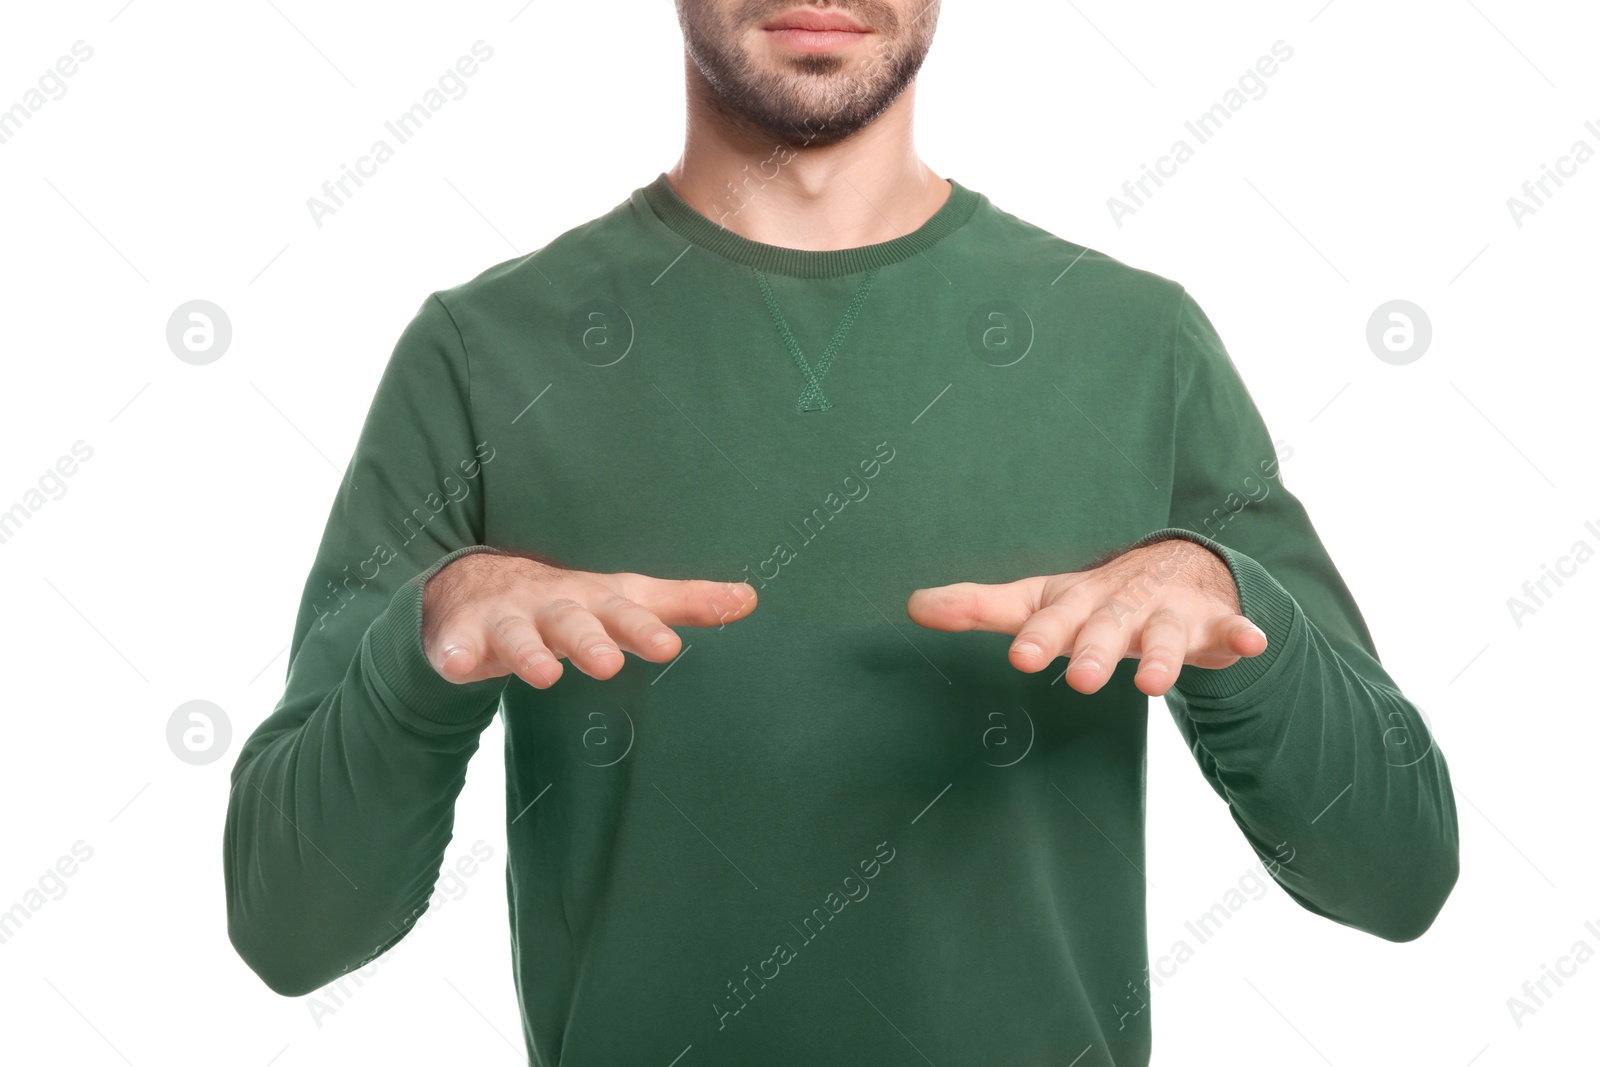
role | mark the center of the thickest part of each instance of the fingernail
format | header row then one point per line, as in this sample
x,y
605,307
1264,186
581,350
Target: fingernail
x,y
1025,648
661,637
1089,664
601,650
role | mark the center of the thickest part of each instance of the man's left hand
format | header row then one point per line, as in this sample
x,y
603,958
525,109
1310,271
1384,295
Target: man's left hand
x,y
1170,603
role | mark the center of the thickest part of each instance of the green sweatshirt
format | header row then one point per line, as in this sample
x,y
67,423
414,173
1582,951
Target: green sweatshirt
x,y
822,834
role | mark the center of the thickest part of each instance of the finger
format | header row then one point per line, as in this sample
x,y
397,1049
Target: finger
x,y
1044,635
685,602
1246,638
1223,639
1163,646
516,644
456,653
1001,609
571,630
635,628
1099,646
462,648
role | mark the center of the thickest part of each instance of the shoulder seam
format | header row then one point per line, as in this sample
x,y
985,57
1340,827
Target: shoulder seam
x,y
472,425
1177,328
466,356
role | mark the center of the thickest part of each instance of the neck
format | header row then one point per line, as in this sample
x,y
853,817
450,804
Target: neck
x,y
864,190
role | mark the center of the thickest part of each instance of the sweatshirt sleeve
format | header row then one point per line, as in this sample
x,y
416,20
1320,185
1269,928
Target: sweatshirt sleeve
x,y
1330,771
342,800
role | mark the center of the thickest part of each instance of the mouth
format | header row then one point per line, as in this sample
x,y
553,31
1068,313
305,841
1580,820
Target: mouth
x,y
810,30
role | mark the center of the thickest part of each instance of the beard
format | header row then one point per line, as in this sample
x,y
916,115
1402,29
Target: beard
x,y
814,98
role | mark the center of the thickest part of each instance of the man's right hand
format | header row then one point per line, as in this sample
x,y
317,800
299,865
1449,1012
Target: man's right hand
x,y
486,615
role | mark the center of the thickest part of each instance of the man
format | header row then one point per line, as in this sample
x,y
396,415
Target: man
x,y
802,368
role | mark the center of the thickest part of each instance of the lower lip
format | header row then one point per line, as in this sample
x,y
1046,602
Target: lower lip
x,y
815,40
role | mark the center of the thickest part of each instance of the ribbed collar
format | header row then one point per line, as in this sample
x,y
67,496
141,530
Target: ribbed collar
x,y
675,212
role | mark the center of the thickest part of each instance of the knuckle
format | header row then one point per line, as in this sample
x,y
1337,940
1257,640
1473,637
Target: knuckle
x,y
1050,619
1106,611
1081,596
527,651
1166,616
562,608
508,622
613,602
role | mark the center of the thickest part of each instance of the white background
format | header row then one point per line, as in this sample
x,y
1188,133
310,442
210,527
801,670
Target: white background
x,y
1377,166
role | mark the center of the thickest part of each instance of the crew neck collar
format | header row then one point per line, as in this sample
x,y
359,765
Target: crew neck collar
x,y
675,213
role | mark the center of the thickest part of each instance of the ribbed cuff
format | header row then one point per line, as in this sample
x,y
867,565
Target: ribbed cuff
x,y
398,666
1262,600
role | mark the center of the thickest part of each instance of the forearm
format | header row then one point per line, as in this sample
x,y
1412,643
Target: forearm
x,y
338,820
1326,765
